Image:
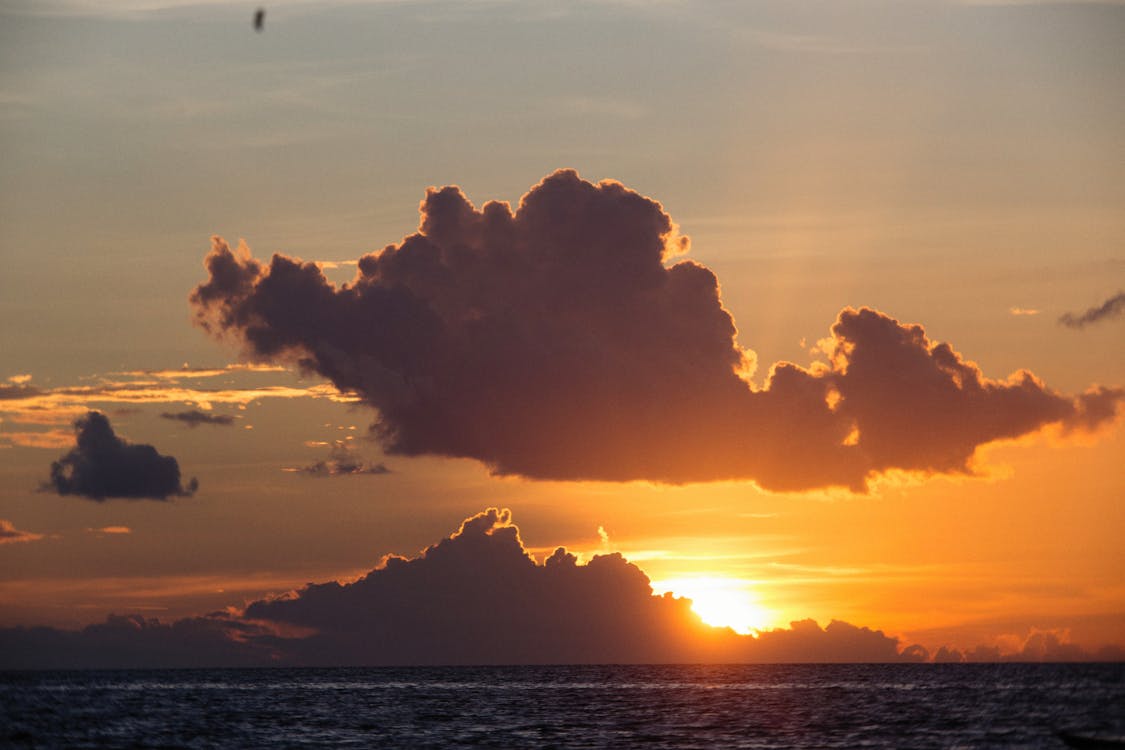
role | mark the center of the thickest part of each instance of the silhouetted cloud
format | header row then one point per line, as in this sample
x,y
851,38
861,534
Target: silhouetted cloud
x,y
556,342
133,641
104,466
9,534
1112,308
343,462
475,597
193,418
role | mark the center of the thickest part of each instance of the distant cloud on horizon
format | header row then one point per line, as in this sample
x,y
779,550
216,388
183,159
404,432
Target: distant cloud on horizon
x,y
566,340
477,597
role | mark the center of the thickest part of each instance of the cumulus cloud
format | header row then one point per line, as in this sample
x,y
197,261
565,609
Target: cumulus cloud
x,y
1112,308
563,340
9,534
103,466
475,597
193,418
342,462
479,597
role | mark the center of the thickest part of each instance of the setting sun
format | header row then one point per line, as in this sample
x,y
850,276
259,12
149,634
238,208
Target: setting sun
x,y
721,602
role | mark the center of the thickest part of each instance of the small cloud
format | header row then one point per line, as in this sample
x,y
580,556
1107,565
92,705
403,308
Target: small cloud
x,y
116,530
604,536
1022,311
342,462
9,534
194,417
1112,308
103,466
22,379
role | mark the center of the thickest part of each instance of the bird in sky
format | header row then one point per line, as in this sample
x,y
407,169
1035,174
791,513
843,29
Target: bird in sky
x,y
259,19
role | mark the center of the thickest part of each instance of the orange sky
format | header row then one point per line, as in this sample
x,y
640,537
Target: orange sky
x,y
948,165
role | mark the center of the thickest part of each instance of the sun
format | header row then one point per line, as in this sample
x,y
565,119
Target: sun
x,y
721,602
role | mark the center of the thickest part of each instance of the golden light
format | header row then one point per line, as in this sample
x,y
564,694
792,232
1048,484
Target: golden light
x,y
721,602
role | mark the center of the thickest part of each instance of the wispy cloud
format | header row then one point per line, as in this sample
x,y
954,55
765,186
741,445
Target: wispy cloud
x,y
343,461
25,404
9,534
1112,308
111,530
194,417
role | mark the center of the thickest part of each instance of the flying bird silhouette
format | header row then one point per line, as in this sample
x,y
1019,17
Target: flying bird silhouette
x,y
259,19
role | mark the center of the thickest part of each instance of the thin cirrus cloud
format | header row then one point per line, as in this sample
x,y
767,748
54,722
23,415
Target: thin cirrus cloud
x,y
53,408
477,597
103,466
564,340
1114,307
342,462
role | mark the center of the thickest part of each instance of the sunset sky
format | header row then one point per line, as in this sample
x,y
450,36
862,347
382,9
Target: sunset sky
x,y
752,304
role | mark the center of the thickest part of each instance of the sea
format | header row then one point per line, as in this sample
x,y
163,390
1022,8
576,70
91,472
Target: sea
x,y
677,706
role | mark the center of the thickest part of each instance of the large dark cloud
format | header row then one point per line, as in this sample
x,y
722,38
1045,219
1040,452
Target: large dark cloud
x,y
476,597
1113,307
561,341
103,466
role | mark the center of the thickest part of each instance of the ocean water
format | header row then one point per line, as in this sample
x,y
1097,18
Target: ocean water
x,y
758,706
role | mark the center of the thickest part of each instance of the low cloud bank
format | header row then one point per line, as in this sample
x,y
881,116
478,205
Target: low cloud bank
x,y
476,597
563,340
103,466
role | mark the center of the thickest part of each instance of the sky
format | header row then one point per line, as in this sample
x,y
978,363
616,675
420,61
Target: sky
x,y
808,311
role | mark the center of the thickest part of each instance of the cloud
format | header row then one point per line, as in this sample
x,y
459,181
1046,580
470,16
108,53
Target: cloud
x,y
104,466
343,462
9,534
562,341
487,600
475,597
44,439
1112,308
1023,311
133,641
193,418
24,404
115,530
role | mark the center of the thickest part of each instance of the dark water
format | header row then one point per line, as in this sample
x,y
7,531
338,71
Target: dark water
x,y
763,706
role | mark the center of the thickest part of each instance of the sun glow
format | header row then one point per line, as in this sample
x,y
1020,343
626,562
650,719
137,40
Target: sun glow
x,y
721,602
